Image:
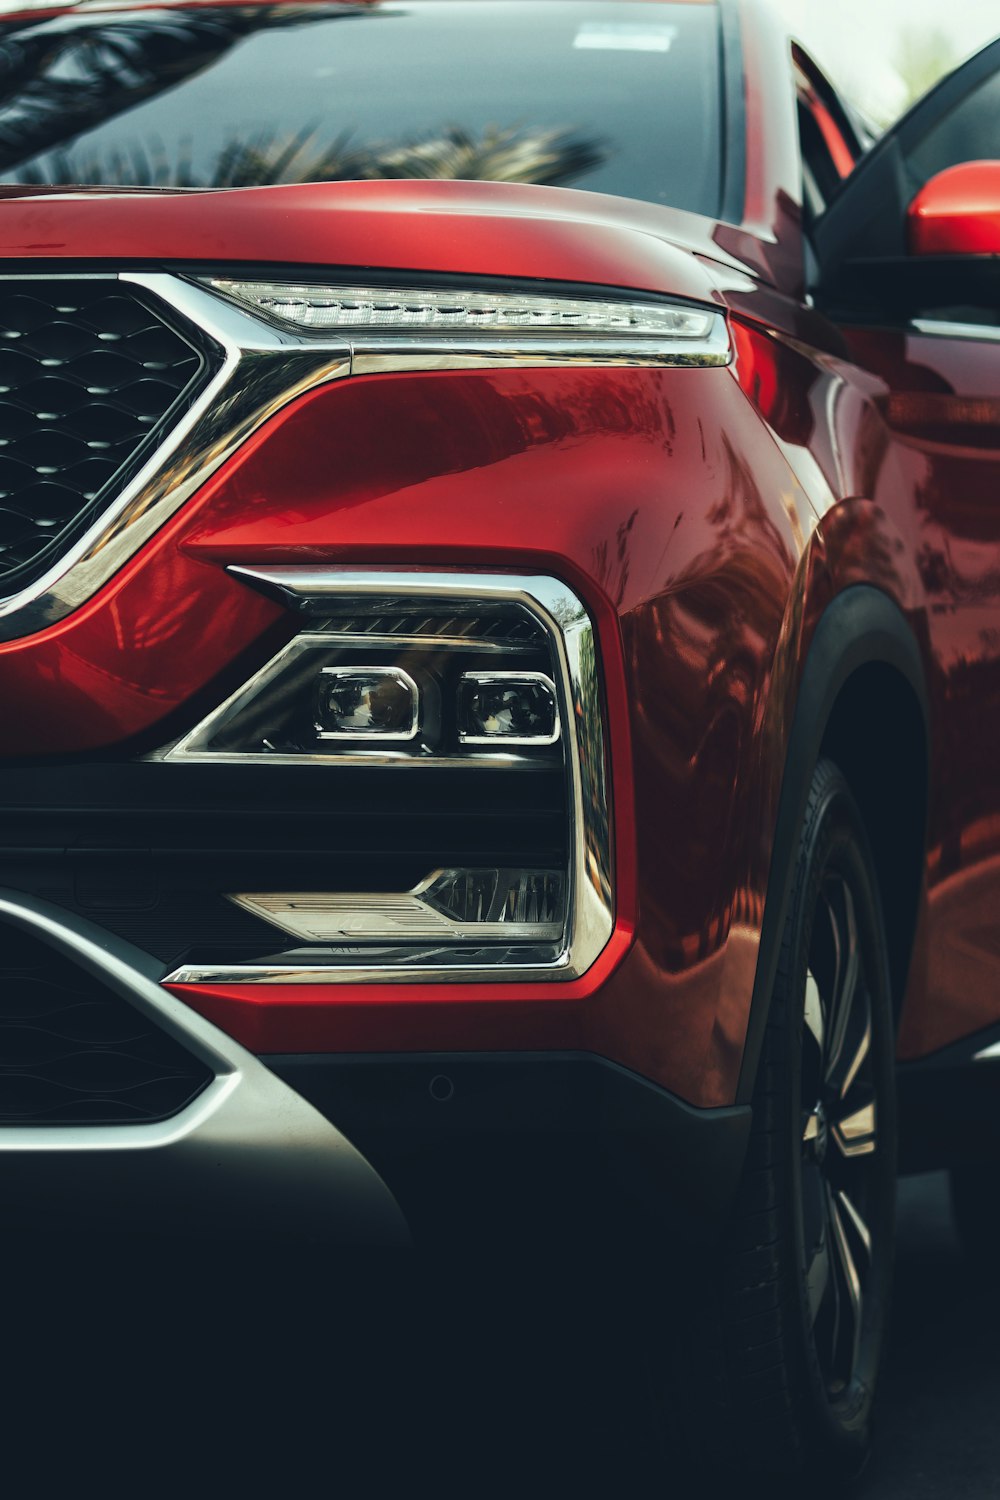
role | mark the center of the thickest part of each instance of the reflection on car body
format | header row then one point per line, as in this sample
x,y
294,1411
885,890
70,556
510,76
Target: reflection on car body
x,y
500,643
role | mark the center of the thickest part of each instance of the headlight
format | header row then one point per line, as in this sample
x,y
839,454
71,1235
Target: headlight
x,y
381,703
510,708
336,309
491,325
456,721
397,691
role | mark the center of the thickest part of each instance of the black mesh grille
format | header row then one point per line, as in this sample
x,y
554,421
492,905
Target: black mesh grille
x,y
89,375
74,1053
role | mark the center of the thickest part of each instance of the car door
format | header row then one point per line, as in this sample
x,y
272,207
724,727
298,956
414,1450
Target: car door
x,y
908,252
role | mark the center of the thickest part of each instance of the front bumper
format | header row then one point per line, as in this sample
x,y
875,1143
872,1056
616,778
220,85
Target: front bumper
x,y
491,1146
246,1154
365,1150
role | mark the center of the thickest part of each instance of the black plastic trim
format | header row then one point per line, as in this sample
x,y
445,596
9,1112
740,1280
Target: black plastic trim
x,y
949,1106
861,627
895,288
516,1128
74,1051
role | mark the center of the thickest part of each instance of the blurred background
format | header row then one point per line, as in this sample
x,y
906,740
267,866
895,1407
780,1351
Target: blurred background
x,y
883,54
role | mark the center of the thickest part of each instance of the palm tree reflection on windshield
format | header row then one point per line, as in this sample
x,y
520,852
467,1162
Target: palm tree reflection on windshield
x,y
498,154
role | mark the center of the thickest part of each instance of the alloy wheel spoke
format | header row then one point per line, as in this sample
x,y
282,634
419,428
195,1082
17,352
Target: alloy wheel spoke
x,y
815,1238
845,980
839,1132
855,1133
814,1012
861,1052
860,1227
837,1295
848,1281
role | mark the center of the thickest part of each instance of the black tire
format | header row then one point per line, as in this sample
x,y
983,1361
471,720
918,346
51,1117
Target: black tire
x,y
796,1355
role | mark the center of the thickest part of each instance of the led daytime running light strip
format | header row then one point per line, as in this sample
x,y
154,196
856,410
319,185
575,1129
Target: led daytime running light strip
x,y
379,310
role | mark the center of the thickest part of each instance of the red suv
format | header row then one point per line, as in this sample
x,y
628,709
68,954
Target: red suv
x,y
500,656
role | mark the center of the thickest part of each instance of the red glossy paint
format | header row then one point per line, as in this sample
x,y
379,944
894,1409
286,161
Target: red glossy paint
x,y
650,496
941,405
166,633
623,484
706,517
958,212
503,229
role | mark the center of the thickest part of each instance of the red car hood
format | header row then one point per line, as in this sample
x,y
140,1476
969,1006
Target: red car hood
x,y
479,228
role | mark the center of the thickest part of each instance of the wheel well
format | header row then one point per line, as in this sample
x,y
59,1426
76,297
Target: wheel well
x,y
876,734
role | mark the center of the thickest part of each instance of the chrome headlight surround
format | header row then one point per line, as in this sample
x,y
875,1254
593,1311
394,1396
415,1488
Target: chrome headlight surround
x,y
568,627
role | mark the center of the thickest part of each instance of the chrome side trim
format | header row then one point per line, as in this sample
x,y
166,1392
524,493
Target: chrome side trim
x,y
988,1054
557,608
422,966
248,1152
401,352
983,333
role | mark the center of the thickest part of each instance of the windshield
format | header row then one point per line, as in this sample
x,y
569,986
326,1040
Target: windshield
x,y
614,97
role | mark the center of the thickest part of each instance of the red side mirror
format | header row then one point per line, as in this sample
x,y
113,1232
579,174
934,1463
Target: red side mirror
x,y
957,212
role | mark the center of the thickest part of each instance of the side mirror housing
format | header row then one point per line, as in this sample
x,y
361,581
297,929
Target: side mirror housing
x,y
957,212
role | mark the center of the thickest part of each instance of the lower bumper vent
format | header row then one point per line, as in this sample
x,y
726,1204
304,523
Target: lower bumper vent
x,y
72,1052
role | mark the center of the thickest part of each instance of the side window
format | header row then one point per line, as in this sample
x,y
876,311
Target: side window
x,y
866,221
970,131
828,143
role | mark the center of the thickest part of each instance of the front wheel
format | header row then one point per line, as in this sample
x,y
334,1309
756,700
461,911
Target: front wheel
x,y
803,1284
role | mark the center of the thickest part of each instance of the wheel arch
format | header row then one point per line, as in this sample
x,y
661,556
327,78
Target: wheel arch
x,y
863,665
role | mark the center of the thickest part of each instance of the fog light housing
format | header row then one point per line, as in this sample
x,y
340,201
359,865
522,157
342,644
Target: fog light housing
x,y
530,902
509,708
450,906
380,703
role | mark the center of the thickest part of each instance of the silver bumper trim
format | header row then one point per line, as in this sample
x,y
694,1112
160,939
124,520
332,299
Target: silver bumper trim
x,y
248,1153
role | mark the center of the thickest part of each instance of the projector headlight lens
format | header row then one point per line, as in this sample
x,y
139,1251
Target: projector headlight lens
x,y
407,687
509,708
376,703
